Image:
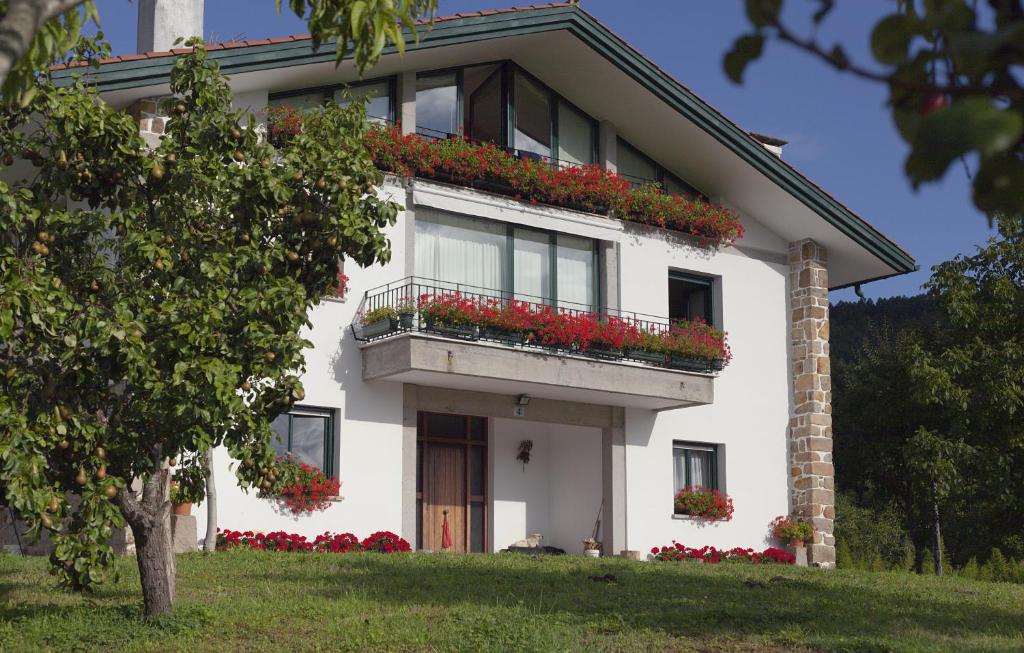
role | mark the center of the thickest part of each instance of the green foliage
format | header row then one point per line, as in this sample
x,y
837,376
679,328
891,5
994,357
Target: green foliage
x,y
867,534
159,313
189,482
950,69
362,27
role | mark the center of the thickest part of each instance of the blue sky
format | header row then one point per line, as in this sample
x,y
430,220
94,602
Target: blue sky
x,y
840,132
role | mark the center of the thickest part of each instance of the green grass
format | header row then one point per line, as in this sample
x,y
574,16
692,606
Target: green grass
x,y
252,601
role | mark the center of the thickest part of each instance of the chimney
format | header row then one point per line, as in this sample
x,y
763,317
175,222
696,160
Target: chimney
x,y
162,22
770,143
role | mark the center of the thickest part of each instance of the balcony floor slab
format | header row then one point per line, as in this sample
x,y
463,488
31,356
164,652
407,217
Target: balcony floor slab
x,y
486,367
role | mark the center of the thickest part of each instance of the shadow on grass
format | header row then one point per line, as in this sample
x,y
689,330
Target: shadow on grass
x,y
688,601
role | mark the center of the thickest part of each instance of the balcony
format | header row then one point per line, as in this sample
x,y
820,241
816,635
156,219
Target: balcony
x,y
462,337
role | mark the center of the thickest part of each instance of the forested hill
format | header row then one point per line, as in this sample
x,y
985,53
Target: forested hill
x,y
852,322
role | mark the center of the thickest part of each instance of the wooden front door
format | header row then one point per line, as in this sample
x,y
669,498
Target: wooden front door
x,y
451,456
444,495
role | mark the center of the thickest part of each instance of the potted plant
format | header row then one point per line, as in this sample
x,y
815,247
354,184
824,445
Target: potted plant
x,y
450,314
186,488
591,548
380,321
796,532
647,347
406,311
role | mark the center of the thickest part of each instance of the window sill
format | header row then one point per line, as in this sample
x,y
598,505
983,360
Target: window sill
x,y
694,518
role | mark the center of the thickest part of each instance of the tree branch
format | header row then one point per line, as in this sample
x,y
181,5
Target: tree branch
x,y
21,23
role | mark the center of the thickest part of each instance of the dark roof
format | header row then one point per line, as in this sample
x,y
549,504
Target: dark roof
x,y
153,68
768,140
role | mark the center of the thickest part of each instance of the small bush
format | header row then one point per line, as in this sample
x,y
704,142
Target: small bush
x,y
869,534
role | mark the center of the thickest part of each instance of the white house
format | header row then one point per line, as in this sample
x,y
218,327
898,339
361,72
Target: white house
x,y
416,423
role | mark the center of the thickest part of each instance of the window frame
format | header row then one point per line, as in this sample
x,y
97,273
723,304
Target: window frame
x,y
661,173
328,91
552,240
687,446
508,69
329,436
709,294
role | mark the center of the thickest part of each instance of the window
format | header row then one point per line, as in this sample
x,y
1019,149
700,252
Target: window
x,y
308,435
484,255
438,112
502,104
378,99
695,465
532,117
690,297
379,107
638,168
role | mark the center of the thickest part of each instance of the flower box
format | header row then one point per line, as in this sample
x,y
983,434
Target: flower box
x,y
648,357
691,364
380,327
718,365
405,320
460,331
603,353
504,336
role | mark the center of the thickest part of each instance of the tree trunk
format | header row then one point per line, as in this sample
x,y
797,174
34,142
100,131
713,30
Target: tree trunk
x,y
937,546
150,520
210,542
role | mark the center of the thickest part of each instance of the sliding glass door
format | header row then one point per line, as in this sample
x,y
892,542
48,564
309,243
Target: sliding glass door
x,y
497,258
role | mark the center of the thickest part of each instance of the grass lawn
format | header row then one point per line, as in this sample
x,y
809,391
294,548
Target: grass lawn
x,y
258,601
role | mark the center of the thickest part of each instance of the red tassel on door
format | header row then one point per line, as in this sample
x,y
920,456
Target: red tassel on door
x,y
446,534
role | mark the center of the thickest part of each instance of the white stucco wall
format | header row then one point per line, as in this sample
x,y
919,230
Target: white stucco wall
x,y
750,414
558,494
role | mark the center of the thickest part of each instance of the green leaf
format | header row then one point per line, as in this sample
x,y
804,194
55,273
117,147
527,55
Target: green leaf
x,y
997,186
763,12
970,124
891,38
744,50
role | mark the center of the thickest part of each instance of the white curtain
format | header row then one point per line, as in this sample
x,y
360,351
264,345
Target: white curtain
x,y
700,468
575,272
459,250
532,265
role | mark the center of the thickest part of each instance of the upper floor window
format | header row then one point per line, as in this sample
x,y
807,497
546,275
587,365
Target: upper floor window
x,y
695,465
638,168
478,255
379,96
690,296
308,435
502,104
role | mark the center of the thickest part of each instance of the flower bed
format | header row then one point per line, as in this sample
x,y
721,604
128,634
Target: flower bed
x,y
589,188
380,542
678,552
600,335
706,503
303,488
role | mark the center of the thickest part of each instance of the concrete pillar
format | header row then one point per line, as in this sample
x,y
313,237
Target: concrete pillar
x,y
162,22
405,111
613,477
607,146
810,443
409,411
610,299
184,533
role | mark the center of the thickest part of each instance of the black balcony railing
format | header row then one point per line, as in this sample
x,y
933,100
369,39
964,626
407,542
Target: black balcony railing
x,y
466,312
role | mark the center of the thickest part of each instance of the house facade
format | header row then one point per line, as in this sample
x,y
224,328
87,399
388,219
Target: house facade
x,y
424,425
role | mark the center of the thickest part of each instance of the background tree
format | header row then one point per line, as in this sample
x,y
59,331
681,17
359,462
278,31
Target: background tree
x,y
36,33
159,313
951,70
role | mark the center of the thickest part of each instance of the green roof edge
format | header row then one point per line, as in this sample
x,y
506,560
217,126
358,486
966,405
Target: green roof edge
x,y
154,71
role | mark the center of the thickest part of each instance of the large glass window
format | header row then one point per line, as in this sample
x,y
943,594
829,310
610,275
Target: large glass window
x,y
461,250
531,264
378,98
437,105
690,297
575,272
532,117
695,465
638,168
484,103
576,136
306,434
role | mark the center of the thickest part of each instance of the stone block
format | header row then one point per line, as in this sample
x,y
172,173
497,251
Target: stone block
x,y
822,555
184,533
